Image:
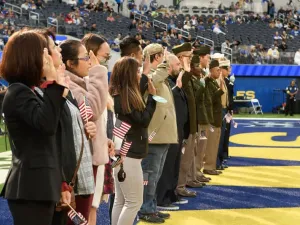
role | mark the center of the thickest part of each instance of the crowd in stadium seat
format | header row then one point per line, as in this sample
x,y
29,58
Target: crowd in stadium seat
x,y
250,36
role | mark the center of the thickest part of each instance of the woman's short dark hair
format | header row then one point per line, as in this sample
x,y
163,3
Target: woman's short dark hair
x,y
70,51
93,42
22,59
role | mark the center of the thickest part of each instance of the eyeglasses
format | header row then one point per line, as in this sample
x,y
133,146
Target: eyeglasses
x,y
106,58
86,58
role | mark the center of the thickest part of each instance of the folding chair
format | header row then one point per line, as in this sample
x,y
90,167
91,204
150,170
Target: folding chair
x,y
256,107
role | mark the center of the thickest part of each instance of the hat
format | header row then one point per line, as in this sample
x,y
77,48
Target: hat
x,y
217,56
185,47
195,59
224,63
153,49
213,64
203,50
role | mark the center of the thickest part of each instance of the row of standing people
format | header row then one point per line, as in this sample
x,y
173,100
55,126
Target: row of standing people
x,y
189,133
46,125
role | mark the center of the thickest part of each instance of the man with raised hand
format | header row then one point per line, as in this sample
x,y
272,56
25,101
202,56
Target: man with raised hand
x,y
162,131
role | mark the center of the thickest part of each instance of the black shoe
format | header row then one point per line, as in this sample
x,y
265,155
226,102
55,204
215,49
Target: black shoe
x,y
151,218
163,215
220,168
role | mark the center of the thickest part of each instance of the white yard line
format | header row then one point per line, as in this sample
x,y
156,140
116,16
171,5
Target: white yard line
x,y
253,118
4,171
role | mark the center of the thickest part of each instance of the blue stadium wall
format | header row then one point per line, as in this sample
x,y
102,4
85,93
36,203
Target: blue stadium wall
x,y
264,82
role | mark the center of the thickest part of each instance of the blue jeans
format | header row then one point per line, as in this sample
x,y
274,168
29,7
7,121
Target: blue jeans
x,y
221,143
153,166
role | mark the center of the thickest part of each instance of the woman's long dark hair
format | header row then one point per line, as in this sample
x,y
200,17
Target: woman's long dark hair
x,y
124,82
93,42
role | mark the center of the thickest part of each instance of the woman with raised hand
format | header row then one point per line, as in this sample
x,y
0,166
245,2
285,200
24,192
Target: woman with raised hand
x,y
70,131
88,83
99,46
130,108
34,182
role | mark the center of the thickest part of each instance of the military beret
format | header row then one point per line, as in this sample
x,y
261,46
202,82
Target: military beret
x,y
195,59
203,50
213,64
153,49
185,47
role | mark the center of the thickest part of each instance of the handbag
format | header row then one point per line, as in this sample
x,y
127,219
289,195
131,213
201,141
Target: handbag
x,y
60,206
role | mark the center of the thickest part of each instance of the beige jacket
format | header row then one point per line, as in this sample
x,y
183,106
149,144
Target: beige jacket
x,y
95,88
164,119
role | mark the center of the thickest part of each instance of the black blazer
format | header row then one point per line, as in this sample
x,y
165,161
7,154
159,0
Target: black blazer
x,y
230,90
32,122
182,110
139,121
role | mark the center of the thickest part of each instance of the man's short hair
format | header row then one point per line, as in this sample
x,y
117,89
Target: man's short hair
x,y
128,46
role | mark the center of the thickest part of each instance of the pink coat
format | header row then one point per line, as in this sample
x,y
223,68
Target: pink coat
x,y
95,88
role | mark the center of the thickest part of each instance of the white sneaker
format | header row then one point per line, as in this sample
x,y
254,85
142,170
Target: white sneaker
x,y
169,207
182,201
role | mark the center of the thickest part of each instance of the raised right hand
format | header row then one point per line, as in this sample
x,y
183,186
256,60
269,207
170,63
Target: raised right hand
x,y
49,70
151,88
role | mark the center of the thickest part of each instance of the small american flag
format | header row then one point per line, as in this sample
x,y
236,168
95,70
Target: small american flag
x,y
85,109
121,128
125,147
151,136
77,218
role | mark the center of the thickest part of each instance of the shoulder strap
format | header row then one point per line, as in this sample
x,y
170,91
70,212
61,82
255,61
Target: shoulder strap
x,y
72,183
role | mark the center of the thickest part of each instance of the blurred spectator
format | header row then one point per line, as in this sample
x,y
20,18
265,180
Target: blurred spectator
x,y
94,27
118,39
153,5
278,24
40,4
132,25
295,32
297,57
277,36
110,18
283,46
171,25
225,45
273,55
217,30
25,5
120,5
99,6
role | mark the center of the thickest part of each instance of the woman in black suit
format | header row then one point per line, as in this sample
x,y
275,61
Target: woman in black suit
x,y
34,182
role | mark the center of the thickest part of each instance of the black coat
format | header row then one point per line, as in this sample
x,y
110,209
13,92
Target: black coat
x,y
230,90
139,121
32,121
181,108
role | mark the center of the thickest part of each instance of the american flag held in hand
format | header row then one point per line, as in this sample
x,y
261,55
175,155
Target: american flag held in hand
x,y
121,128
151,136
85,109
125,148
77,218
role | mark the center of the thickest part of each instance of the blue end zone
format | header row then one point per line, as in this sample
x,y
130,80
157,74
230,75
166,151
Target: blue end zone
x,y
236,197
